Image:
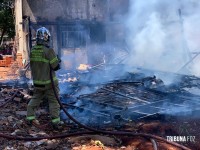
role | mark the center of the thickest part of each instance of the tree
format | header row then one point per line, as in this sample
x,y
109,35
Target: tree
x,y
7,26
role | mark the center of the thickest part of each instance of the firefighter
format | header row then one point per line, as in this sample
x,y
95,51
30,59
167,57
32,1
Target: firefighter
x,y
44,61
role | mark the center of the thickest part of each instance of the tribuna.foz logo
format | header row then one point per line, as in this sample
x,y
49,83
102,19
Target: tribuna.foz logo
x,y
181,138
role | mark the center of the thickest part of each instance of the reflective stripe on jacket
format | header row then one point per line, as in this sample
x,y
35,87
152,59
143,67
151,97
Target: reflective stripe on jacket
x,y
41,58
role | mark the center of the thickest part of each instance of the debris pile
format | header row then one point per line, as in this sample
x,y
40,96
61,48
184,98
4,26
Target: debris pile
x,y
119,106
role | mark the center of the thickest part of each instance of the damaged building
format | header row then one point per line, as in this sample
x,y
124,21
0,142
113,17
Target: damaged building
x,y
77,27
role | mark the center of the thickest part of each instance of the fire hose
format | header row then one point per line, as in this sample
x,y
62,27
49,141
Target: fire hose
x,y
91,130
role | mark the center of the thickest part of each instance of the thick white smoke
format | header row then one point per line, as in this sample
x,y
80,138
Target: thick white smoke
x,y
163,34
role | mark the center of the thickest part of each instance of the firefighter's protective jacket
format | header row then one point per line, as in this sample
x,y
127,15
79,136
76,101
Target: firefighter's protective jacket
x,y
41,59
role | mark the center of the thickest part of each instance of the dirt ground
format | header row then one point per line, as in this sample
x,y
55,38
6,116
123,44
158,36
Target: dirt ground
x,y
13,123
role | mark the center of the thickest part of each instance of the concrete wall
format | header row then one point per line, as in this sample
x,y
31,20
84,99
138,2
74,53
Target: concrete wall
x,y
52,10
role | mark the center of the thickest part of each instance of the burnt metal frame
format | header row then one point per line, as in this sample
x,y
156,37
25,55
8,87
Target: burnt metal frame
x,y
120,109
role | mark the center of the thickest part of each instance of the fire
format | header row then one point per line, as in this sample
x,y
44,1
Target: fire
x,y
83,67
71,79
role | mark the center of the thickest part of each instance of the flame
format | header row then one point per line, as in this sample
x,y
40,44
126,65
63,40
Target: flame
x,y
83,67
72,79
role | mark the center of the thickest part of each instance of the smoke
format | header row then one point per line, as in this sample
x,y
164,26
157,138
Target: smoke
x,y
163,35
148,44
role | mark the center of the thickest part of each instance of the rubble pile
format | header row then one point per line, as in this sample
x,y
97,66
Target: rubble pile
x,y
106,98
13,111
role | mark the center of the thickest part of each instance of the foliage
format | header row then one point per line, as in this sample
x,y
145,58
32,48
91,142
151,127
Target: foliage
x,y
7,26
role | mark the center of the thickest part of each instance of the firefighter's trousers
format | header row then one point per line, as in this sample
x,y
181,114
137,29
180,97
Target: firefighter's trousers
x,y
38,95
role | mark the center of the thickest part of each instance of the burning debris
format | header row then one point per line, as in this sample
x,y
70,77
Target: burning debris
x,y
122,99
83,67
128,104
134,97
